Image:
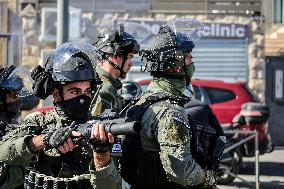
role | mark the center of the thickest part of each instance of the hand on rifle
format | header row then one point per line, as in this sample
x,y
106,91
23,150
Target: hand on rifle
x,y
101,157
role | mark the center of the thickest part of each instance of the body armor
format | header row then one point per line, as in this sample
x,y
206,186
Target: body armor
x,y
142,169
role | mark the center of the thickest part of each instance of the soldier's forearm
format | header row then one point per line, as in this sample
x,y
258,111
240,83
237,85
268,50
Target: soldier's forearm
x,y
101,159
35,143
15,151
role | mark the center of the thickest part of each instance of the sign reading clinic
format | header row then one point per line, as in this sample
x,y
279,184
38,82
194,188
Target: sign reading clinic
x,y
211,30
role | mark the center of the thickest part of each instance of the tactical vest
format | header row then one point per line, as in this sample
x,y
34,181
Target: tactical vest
x,y
144,169
53,170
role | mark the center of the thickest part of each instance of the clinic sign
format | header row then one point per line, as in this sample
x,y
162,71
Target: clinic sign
x,y
211,30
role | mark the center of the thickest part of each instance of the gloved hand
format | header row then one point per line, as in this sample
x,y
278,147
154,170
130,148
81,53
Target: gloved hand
x,y
209,179
56,137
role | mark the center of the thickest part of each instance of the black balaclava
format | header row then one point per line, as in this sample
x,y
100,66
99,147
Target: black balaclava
x,y
12,110
76,108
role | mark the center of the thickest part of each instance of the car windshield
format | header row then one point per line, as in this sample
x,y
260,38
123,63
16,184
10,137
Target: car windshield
x,y
252,94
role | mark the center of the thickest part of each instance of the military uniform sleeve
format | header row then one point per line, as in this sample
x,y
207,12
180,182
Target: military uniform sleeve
x,y
105,178
11,176
14,150
173,135
104,99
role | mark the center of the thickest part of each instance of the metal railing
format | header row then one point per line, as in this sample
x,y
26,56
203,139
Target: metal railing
x,y
251,135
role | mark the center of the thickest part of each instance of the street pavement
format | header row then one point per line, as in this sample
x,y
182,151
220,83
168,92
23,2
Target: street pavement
x,y
271,172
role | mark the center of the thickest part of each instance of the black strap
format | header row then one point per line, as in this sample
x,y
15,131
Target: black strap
x,y
135,112
117,67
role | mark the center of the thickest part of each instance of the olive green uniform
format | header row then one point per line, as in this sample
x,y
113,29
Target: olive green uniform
x,y
7,172
106,96
164,130
14,150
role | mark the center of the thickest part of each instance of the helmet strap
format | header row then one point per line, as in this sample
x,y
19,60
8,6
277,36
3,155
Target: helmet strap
x,y
187,81
122,73
115,66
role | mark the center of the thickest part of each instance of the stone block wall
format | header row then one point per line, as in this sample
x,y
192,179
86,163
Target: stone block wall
x,y
94,24
31,46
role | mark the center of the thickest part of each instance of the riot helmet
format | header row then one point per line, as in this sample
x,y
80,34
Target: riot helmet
x,y
72,61
130,90
9,80
15,82
167,49
117,42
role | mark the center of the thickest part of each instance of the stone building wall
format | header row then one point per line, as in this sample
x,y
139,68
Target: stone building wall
x,y
94,24
30,33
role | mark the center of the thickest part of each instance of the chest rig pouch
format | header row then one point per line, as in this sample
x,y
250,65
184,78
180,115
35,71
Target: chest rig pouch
x,y
142,169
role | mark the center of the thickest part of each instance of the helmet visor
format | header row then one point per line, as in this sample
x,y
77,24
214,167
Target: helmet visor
x,y
65,51
18,80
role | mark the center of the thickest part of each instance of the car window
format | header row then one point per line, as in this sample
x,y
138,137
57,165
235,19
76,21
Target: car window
x,y
197,93
219,95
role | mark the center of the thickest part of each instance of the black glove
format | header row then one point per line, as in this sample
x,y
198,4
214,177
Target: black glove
x,y
43,82
55,138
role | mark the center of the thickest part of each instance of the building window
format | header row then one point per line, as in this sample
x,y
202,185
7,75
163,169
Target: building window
x,y
277,11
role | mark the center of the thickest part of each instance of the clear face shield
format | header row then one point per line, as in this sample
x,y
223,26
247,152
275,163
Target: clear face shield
x,y
167,48
17,80
28,99
67,50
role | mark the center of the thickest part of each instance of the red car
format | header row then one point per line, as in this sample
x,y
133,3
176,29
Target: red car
x,y
224,98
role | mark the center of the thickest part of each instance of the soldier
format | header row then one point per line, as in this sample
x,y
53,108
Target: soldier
x,y
11,84
10,102
160,156
45,142
117,49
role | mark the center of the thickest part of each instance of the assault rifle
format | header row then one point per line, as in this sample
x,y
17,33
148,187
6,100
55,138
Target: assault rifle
x,y
206,148
112,124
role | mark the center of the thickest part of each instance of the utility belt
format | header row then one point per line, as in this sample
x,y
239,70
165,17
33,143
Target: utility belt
x,y
36,180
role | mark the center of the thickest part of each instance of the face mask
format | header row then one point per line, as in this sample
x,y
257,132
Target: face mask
x,y
180,85
176,84
76,108
13,109
189,70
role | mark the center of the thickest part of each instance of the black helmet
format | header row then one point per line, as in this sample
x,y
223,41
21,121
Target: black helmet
x,y
117,42
17,82
166,49
72,61
130,90
9,80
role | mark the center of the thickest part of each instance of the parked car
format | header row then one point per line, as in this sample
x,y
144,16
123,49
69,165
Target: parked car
x,y
224,98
